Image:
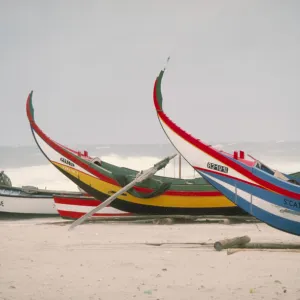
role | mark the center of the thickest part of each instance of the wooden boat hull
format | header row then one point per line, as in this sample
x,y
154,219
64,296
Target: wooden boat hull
x,y
170,206
28,201
75,207
43,206
97,182
266,194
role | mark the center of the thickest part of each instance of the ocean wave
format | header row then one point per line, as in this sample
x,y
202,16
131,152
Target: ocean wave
x,y
44,176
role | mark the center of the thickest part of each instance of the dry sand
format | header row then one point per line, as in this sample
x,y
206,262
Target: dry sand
x,y
111,261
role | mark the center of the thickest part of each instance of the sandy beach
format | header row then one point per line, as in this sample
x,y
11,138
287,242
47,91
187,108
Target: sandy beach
x,y
40,260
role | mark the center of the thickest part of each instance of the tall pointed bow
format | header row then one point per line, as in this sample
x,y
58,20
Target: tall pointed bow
x,y
41,139
198,154
268,199
29,108
65,159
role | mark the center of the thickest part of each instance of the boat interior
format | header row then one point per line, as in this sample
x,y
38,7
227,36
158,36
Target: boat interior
x,y
124,175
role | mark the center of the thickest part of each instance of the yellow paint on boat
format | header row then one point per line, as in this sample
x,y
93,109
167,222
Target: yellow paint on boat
x,y
161,201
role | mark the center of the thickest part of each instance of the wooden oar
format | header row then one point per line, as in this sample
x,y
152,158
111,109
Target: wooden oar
x,y
141,176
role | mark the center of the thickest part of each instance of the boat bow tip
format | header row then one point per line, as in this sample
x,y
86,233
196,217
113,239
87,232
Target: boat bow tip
x,y
29,107
157,96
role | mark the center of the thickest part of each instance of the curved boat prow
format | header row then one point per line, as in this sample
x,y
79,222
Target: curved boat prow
x,y
157,195
68,161
262,192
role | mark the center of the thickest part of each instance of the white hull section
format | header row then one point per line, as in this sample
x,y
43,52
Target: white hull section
x,y
54,156
43,206
196,157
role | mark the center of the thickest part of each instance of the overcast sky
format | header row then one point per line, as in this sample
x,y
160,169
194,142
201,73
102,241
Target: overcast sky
x,y
234,72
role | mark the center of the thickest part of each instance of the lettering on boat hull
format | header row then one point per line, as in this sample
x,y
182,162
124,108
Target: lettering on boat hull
x,y
291,203
217,167
1,203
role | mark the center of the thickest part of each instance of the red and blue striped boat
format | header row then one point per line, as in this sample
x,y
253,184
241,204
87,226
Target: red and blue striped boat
x,y
269,195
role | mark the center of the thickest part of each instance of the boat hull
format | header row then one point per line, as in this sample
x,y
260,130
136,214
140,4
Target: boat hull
x,y
92,179
181,206
76,207
256,190
43,206
30,201
255,200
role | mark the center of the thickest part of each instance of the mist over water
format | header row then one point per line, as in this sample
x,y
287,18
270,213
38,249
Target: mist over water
x,y
26,165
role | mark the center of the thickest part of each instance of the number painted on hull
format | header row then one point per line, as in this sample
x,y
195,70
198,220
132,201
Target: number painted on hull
x,y
67,162
1,203
216,167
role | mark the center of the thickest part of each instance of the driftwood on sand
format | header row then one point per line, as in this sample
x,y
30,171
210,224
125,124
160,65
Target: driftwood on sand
x,y
229,243
243,244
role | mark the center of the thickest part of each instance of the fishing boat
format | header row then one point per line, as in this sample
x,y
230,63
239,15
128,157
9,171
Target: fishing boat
x,y
74,207
27,201
267,194
157,195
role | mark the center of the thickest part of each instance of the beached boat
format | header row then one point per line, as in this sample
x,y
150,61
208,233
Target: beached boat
x,y
70,207
156,195
27,200
269,195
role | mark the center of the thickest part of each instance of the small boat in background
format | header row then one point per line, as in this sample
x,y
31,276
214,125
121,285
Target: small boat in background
x,y
27,201
75,207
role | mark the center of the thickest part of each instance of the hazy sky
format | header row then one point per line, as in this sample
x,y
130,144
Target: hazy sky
x,y
234,72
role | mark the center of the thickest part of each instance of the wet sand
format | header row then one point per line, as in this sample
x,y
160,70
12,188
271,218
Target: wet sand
x,y
113,261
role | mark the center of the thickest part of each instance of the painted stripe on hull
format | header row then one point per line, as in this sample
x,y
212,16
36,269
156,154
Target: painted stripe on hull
x,y
145,209
161,201
273,198
92,202
274,215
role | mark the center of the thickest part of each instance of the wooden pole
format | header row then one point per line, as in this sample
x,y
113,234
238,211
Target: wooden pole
x,y
228,243
179,166
174,160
